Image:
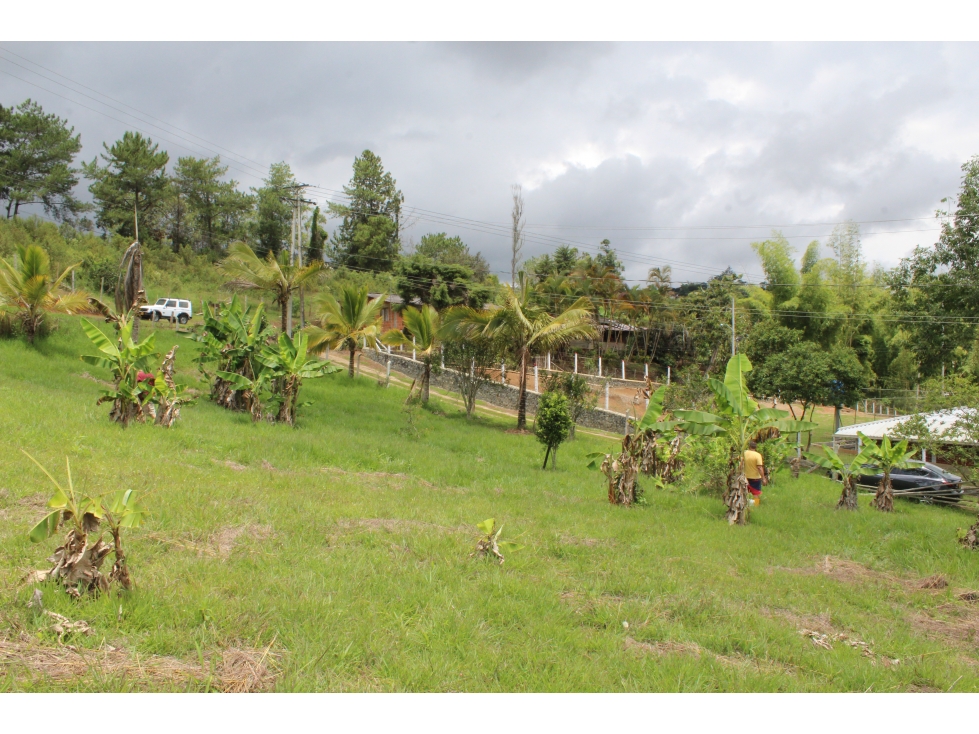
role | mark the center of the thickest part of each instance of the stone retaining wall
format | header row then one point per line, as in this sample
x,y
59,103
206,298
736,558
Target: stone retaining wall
x,y
495,393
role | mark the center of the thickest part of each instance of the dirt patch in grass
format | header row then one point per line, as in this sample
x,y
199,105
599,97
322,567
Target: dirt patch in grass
x,y
664,647
22,507
853,572
233,670
393,525
960,628
233,465
86,376
220,543
585,542
398,480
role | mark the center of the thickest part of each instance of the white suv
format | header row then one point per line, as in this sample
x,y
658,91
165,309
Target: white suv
x,y
168,308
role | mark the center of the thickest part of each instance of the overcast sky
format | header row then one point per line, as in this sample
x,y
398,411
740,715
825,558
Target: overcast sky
x,y
713,144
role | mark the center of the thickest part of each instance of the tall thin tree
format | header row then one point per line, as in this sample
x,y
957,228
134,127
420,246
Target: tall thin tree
x,y
517,232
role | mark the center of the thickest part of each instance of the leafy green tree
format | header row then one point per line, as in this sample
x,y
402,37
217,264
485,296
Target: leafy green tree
x,y
471,358
767,341
447,250
37,151
272,275
427,332
316,238
737,421
215,207
368,237
28,290
523,326
552,424
273,213
440,285
131,185
347,323
576,389
936,285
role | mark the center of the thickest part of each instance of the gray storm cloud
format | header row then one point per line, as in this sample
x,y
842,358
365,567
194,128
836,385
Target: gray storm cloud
x,y
609,140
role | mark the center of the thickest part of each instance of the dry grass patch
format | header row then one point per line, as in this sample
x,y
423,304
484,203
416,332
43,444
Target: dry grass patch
x,y
233,670
220,543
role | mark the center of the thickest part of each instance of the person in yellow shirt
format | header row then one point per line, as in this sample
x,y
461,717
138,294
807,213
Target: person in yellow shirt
x,y
754,471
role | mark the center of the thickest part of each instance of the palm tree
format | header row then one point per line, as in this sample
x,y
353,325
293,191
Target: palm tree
x,y
275,276
524,326
27,288
427,330
345,324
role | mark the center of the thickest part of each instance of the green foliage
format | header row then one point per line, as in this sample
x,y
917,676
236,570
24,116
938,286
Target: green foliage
x,y
28,291
274,391
737,421
37,151
216,210
576,389
273,275
438,284
348,323
491,545
447,250
552,424
126,359
132,182
230,342
368,237
273,213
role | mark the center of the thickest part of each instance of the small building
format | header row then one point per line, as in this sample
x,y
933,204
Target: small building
x,y
941,424
391,313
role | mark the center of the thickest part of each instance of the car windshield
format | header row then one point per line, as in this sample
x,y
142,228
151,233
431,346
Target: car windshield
x,y
161,302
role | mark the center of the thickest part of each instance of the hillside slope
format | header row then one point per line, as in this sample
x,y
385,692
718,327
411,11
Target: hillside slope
x,y
336,555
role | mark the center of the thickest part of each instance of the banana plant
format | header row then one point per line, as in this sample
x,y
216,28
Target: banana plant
x,y
491,543
126,359
284,366
737,421
230,341
848,472
659,455
78,562
886,457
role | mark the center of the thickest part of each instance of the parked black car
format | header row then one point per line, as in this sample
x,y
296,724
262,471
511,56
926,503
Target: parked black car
x,y
921,479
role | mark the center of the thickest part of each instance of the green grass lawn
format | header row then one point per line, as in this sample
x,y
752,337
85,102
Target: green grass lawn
x,y
342,547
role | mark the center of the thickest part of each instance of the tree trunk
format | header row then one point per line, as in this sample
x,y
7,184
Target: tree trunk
x,y
353,350
283,322
546,454
848,499
426,379
120,570
522,402
884,499
737,500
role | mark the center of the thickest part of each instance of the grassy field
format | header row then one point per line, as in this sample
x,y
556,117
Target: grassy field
x,y
335,557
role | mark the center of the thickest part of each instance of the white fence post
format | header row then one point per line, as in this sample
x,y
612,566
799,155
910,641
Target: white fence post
x,y
623,369
503,373
576,363
645,371
536,389
599,366
548,361
667,374
442,352
413,357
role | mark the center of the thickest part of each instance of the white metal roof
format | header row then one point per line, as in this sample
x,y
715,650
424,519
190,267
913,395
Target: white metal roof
x,y
940,424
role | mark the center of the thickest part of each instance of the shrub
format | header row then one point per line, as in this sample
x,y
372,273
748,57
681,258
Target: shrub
x,y
553,424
